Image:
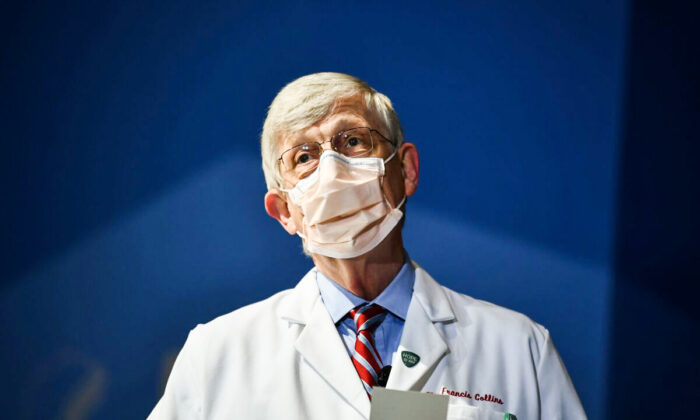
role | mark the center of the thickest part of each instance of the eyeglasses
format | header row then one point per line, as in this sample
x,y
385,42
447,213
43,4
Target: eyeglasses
x,y
302,159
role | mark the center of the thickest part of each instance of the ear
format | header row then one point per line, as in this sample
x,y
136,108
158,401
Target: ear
x,y
410,167
276,207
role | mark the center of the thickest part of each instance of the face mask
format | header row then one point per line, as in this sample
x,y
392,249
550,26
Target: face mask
x,y
345,211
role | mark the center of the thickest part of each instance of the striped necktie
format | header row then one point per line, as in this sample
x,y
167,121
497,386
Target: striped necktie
x,y
365,357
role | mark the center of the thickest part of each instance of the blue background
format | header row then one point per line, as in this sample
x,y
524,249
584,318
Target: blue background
x,y
132,185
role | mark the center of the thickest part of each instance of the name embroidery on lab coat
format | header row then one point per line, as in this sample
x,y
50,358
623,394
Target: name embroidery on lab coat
x,y
476,397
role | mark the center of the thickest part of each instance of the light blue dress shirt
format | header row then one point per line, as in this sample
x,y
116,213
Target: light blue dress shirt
x,y
395,299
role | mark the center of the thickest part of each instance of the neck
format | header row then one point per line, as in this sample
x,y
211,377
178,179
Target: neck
x,y
368,275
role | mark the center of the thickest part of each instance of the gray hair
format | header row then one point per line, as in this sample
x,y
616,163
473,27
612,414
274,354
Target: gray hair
x,y
306,101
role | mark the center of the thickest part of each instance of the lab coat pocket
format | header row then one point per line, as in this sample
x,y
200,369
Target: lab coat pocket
x,y
460,410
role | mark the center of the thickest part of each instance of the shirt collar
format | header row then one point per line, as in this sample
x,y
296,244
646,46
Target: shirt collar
x,y
395,297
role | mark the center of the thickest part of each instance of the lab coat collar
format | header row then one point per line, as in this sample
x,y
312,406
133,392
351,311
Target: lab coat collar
x,y
421,336
395,298
321,346
431,296
296,306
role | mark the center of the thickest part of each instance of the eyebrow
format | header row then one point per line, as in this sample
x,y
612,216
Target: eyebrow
x,y
341,124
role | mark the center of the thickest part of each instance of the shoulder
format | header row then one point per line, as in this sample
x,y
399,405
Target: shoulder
x,y
489,314
242,322
488,338
253,313
490,324
263,324
236,343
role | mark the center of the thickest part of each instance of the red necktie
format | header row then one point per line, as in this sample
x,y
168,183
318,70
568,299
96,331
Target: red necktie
x,y
366,359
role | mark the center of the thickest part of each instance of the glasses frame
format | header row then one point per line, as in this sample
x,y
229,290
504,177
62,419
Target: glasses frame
x,y
335,149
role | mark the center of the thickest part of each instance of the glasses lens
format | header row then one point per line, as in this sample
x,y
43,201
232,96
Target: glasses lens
x,y
354,142
302,158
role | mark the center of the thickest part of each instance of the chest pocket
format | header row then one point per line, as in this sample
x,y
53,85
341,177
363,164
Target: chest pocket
x,y
460,410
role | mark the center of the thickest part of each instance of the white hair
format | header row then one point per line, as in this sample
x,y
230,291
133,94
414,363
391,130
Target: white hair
x,y
306,101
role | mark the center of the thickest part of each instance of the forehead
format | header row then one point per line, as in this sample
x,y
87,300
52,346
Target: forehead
x,y
346,113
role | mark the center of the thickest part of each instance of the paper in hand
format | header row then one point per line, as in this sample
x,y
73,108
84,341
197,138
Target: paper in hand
x,y
389,404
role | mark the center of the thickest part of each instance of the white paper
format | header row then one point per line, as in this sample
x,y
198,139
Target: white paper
x,y
389,404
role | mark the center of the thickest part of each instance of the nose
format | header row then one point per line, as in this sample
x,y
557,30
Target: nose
x,y
326,145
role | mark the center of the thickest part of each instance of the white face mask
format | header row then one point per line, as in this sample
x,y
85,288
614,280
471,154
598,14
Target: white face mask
x,y
345,211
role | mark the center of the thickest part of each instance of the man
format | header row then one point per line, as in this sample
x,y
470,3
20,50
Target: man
x,y
338,174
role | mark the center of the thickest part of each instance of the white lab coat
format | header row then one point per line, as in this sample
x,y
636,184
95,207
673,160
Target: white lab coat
x,y
282,358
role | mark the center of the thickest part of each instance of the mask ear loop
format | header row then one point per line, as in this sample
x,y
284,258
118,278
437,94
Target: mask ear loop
x,y
403,175
391,156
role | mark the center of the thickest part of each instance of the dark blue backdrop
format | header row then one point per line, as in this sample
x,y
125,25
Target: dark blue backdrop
x,y
133,190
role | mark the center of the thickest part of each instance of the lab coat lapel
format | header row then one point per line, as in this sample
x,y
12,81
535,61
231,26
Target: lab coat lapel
x,y
429,305
320,344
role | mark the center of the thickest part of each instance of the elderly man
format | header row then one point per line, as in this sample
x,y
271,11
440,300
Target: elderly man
x,y
338,175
